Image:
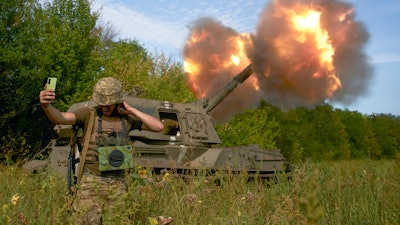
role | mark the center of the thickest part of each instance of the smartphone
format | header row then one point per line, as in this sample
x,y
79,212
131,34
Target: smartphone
x,y
51,83
121,108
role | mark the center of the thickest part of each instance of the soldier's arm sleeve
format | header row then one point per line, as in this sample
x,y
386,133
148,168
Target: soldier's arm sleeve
x,y
82,117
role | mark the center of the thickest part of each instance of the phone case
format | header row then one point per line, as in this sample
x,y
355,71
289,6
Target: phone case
x,y
51,83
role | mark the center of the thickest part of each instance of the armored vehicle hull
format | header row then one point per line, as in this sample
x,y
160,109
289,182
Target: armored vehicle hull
x,y
188,141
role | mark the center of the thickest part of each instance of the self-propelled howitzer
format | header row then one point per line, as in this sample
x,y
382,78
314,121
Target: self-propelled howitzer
x,y
189,140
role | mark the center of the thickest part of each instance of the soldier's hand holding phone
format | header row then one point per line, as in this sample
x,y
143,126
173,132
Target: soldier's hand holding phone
x,y
48,94
51,84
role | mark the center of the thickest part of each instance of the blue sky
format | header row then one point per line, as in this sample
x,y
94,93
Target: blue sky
x,y
162,26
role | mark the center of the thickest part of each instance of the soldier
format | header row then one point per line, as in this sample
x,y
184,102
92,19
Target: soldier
x,y
112,120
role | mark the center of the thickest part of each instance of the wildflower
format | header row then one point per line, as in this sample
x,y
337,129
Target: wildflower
x,y
14,199
166,176
143,173
164,221
5,207
160,220
152,221
248,197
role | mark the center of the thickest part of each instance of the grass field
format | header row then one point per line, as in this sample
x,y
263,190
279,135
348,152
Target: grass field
x,y
345,192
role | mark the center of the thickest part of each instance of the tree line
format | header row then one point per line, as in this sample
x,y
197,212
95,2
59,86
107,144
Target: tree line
x,y
320,133
65,39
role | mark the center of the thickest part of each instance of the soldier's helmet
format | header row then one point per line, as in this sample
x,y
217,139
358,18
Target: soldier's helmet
x,y
108,91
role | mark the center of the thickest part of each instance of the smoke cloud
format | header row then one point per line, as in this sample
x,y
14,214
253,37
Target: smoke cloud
x,y
213,46
290,66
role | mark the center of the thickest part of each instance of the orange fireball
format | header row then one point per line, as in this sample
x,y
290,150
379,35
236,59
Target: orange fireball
x,y
300,53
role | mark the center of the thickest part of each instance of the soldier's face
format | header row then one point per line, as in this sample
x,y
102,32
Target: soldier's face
x,y
107,109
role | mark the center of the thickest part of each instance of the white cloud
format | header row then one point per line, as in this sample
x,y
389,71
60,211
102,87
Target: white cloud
x,y
131,24
165,27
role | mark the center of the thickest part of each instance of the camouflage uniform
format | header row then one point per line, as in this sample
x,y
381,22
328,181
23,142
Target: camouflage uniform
x,y
98,190
95,194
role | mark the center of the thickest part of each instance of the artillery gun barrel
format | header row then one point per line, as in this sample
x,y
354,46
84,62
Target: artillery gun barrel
x,y
238,79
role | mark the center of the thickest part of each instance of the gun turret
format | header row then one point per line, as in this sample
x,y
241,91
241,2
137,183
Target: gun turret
x,y
210,104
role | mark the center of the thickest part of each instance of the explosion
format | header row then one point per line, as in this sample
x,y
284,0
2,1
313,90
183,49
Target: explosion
x,y
303,53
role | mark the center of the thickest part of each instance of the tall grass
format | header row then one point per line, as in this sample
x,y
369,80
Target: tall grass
x,y
360,192
345,192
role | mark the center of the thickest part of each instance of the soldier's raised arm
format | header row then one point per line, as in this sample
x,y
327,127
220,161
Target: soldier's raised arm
x,y
46,97
149,122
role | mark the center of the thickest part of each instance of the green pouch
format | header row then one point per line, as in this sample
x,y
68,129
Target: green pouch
x,y
115,158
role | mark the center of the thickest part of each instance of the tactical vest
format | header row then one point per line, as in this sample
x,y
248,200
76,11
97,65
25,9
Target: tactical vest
x,y
110,147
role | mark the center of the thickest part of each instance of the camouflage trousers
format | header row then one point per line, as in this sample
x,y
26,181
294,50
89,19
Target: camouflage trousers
x,y
94,195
